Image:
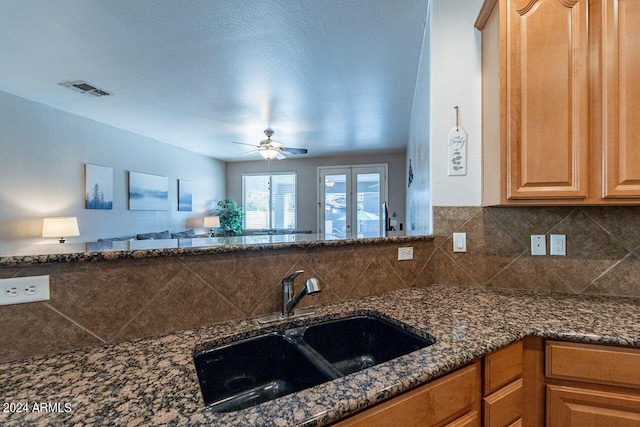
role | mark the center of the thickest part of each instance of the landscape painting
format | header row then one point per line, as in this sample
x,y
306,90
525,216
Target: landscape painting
x,y
148,192
98,187
184,195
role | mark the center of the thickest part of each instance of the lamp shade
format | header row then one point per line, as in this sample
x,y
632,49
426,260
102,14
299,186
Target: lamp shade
x,y
211,221
60,227
268,154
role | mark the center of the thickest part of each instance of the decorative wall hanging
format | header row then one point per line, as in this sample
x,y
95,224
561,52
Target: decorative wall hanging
x,y
457,156
185,196
98,187
148,192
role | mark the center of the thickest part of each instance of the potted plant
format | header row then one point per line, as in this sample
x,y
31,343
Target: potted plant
x,y
231,216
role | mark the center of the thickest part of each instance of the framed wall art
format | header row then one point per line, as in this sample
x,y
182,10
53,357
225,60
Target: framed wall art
x,y
148,192
98,187
185,196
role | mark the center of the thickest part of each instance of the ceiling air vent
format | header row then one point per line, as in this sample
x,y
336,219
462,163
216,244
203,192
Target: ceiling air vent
x,y
86,88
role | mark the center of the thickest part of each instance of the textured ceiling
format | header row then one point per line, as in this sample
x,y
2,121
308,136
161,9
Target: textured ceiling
x,y
332,76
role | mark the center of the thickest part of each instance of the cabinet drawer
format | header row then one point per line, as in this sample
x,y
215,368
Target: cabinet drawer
x,y
472,419
432,404
503,407
593,363
502,366
576,407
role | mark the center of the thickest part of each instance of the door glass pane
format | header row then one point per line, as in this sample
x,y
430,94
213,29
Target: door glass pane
x,y
368,204
335,206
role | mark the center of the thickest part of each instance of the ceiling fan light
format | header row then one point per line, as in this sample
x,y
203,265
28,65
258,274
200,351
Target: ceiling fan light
x,y
268,154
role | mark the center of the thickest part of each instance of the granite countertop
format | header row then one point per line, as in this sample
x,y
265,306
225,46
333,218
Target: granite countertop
x,y
153,381
14,254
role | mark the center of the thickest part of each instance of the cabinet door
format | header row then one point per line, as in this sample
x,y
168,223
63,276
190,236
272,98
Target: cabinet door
x,y
620,97
575,407
433,404
547,109
503,407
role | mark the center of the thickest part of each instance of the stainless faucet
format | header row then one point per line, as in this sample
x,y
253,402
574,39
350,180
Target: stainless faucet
x,y
289,300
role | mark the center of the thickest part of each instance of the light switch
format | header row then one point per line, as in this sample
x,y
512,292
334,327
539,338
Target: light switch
x,y
459,242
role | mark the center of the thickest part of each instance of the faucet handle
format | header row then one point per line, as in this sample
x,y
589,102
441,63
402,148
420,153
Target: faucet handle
x,y
291,277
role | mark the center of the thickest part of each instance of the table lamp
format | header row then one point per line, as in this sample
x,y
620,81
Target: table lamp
x,y
60,227
211,222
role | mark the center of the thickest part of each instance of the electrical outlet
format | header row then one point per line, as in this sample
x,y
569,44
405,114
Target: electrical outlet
x,y
538,244
558,244
18,290
405,253
11,292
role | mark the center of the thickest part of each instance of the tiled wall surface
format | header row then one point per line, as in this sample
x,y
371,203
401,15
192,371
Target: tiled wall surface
x,y
109,301
603,246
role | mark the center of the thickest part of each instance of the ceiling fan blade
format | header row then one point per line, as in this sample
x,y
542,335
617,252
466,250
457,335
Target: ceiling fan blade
x,y
242,143
249,152
280,156
294,150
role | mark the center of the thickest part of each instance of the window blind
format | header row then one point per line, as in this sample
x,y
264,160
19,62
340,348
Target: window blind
x,y
269,200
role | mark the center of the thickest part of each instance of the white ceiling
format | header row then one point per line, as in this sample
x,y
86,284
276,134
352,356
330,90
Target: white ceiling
x,y
332,76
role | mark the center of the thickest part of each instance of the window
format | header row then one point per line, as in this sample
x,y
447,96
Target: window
x,y
269,201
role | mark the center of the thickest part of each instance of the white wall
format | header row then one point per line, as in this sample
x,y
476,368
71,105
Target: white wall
x,y
419,192
307,175
455,79
42,155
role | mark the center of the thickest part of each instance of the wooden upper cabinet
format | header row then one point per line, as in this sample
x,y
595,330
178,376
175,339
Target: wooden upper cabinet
x,y
561,90
547,99
619,51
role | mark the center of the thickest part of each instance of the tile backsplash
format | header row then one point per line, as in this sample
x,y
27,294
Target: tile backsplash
x,y
93,303
603,245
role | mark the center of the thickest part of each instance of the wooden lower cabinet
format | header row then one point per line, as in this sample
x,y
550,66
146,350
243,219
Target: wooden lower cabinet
x,y
503,407
471,419
503,386
592,385
450,400
598,364
577,407
531,383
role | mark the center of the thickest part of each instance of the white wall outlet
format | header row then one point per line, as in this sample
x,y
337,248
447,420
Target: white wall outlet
x,y
538,244
18,290
459,242
405,253
558,244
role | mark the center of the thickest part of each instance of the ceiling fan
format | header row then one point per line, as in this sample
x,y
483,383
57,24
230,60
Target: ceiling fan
x,y
270,149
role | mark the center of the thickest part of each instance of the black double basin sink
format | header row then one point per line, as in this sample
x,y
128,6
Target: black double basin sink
x,y
255,370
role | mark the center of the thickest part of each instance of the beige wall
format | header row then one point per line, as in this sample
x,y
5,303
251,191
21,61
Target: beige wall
x,y
307,175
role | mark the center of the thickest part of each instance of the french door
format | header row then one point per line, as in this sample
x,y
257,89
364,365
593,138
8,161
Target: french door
x,y
350,201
